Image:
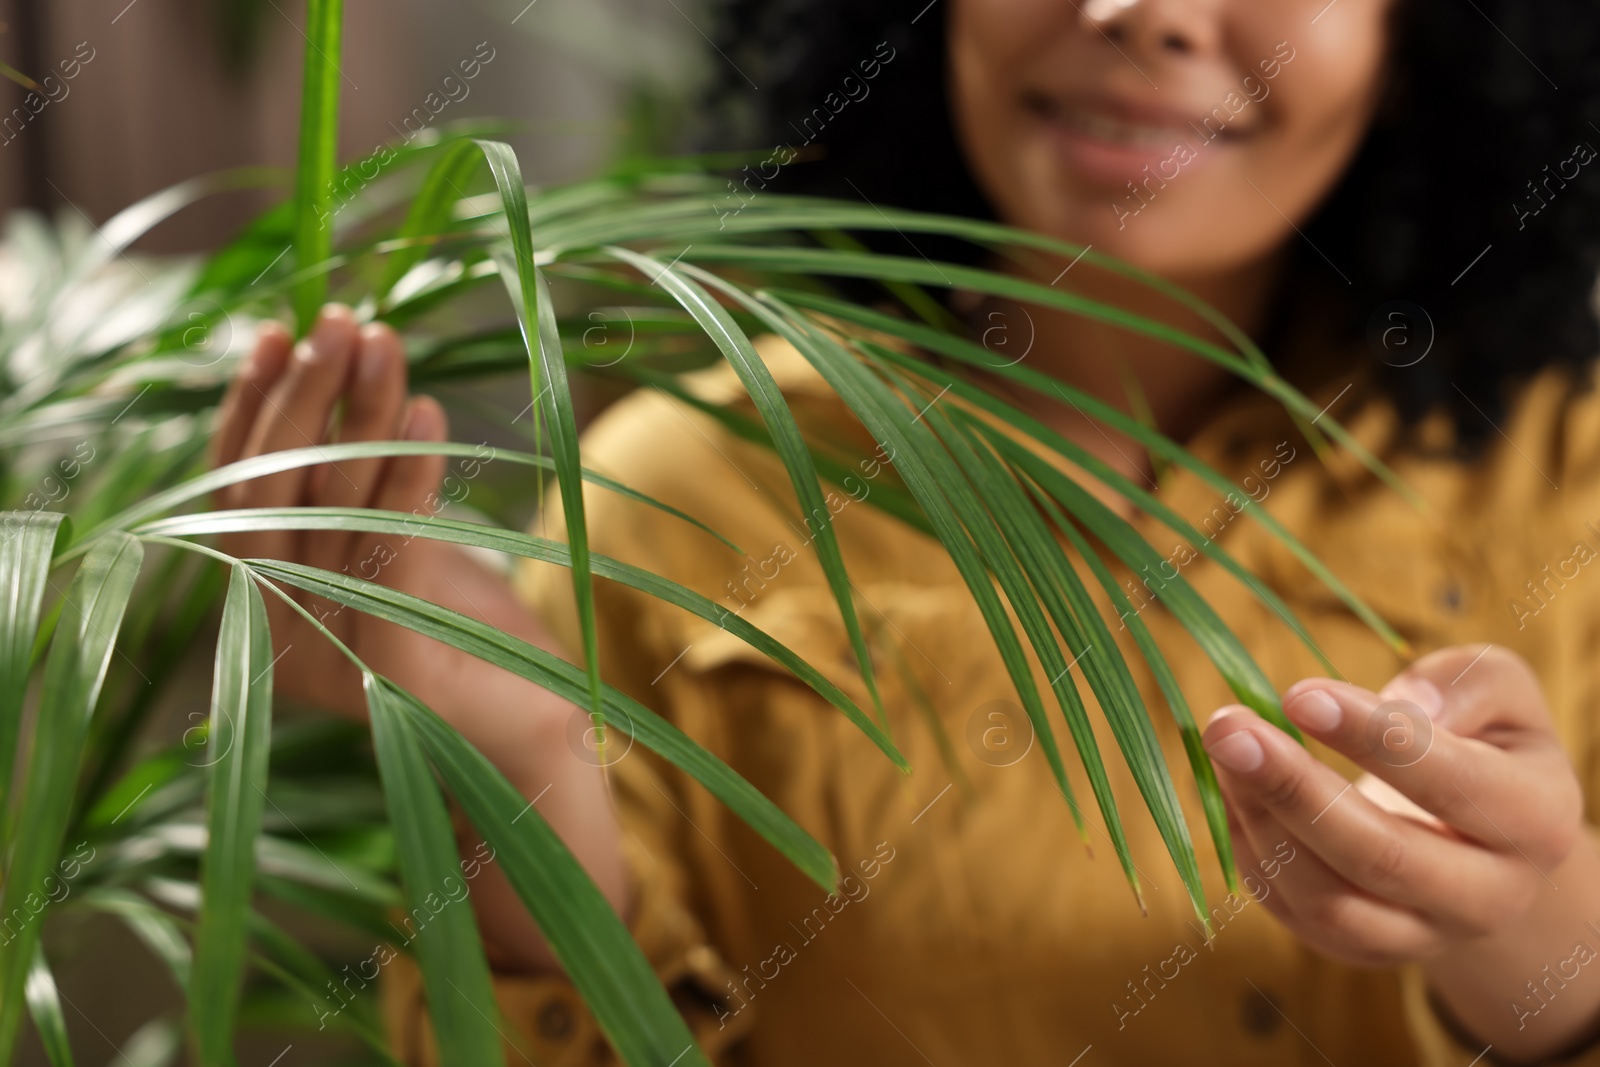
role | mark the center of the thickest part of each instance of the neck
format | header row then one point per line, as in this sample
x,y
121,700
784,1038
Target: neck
x,y
1174,388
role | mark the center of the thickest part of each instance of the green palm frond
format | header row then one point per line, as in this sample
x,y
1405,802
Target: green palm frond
x,y
111,369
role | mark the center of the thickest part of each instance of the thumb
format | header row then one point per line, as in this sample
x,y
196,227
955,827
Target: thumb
x,y
1471,689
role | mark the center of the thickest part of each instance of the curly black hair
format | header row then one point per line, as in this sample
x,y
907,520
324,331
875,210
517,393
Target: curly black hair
x,y
1462,201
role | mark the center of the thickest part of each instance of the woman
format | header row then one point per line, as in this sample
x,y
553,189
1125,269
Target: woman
x,y
1411,168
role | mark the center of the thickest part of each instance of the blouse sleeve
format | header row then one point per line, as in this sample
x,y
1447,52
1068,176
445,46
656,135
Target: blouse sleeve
x,y
544,1020
544,1013
1538,505
1440,1041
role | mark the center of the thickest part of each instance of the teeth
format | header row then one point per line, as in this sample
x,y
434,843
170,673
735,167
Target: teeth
x,y
1137,135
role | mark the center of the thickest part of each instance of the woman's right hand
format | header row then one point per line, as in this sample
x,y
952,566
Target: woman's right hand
x,y
288,396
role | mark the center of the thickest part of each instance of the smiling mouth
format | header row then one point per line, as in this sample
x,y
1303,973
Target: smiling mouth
x,y
1117,127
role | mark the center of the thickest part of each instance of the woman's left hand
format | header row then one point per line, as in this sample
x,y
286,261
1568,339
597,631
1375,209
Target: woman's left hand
x,y
1462,848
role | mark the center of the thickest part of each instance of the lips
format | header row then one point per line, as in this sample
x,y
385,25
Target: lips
x,y
1112,140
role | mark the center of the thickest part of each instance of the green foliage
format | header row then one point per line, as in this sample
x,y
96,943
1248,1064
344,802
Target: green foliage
x,y
453,963
237,740
319,146
184,844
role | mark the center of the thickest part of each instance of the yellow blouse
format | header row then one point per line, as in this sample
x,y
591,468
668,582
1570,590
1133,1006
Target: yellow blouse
x,y
973,927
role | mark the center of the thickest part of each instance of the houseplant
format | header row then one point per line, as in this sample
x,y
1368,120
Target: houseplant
x,y
180,844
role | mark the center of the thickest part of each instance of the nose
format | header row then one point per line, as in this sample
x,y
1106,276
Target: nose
x,y
1180,27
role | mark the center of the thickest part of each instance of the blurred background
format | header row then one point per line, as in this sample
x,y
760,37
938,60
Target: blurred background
x,y
147,93
128,98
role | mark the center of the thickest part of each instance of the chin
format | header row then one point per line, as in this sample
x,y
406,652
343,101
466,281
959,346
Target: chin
x,y
1182,240
1089,221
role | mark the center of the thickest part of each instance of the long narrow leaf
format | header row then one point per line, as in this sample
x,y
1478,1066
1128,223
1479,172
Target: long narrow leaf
x,y
80,652
319,145
529,546
975,355
931,476
1233,661
1199,761
155,929
787,440
431,210
449,949
26,543
277,954
585,935
886,497
1109,476
1078,619
237,748
44,1005
552,395
949,275
272,462
567,681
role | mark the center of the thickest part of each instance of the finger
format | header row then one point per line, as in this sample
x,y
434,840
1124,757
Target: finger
x,y
1492,693
1482,687
409,481
408,484
1323,908
242,403
1385,854
1251,856
375,398
294,414
1523,798
374,403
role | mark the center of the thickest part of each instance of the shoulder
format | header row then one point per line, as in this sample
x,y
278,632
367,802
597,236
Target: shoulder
x,y
1537,458
1534,474
1487,545
1556,416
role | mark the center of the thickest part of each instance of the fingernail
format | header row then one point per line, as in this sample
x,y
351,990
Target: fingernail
x,y
326,337
1224,711
1421,692
1314,709
415,424
1238,752
266,333
373,364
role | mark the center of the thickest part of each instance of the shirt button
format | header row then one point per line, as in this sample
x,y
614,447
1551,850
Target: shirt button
x,y
555,1021
1259,1013
1450,596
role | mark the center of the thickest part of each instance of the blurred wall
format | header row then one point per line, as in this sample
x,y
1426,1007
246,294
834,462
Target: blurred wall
x,y
154,99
